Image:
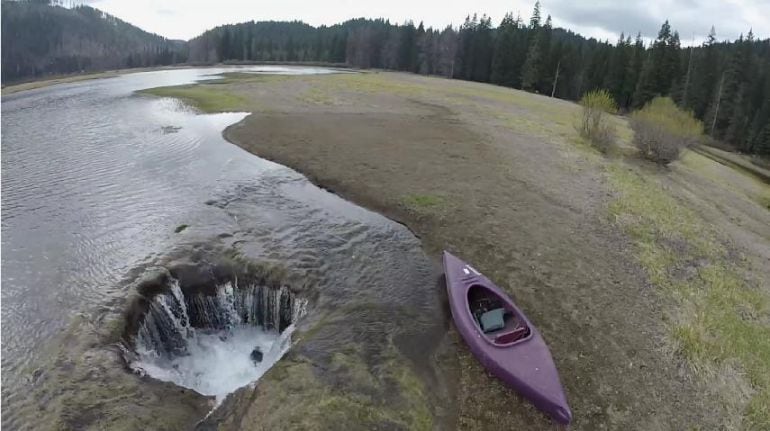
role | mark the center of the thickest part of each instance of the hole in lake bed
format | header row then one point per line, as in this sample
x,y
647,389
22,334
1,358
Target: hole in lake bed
x,y
213,340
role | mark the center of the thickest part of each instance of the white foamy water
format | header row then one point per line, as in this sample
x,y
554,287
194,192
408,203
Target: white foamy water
x,y
215,359
218,363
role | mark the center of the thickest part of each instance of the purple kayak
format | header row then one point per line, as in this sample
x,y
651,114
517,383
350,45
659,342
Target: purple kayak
x,y
503,339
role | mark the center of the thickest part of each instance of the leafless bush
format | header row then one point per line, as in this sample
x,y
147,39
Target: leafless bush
x,y
662,130
654,143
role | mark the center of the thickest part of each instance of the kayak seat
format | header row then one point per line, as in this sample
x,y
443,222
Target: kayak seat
x,y
492,320
511,336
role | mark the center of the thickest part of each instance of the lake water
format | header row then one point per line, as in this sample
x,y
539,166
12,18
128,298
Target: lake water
x,y
96,179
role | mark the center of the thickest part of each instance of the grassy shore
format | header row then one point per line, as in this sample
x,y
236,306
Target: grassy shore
x,y
54,80
49,80
650,285
737,161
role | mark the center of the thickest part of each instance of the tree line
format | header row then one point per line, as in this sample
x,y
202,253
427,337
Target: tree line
x,y
726,84
42,38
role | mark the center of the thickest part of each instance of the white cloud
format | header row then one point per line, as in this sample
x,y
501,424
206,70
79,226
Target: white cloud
x,y
603,19
691,18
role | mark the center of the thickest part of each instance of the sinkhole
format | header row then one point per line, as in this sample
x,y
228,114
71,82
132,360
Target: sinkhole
x,y
213,336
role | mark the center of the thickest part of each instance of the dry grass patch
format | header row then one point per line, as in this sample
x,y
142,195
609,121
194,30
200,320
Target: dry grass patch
x,y
316,96
373,83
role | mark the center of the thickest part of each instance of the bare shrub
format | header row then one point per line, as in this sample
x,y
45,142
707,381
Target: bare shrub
x,y
662,130
594,124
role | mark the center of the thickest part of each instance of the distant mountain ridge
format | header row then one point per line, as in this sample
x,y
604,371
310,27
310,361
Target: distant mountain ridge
x,y
41,39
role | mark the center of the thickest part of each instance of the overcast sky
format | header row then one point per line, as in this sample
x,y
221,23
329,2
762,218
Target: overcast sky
x,y
603,19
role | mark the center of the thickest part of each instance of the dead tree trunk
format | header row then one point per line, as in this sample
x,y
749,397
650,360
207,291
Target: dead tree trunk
x,y
555,79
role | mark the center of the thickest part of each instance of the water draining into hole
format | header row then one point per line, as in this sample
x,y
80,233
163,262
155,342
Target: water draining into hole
x,y
215,343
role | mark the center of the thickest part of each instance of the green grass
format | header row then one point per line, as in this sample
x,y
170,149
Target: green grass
x,y
55,80
418,416
204,97
719,319
746,184
765,201
422,203
744,164
358,395
244,77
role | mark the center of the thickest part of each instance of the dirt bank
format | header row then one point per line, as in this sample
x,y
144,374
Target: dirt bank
x,y
498,177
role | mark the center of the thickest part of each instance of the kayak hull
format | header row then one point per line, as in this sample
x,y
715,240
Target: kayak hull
x,y
524,364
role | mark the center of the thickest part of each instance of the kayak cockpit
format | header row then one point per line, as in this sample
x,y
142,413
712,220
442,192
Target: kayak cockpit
x,y
496,319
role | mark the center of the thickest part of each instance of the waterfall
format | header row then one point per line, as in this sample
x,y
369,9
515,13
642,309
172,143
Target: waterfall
x,y
207,342
173,320
166,326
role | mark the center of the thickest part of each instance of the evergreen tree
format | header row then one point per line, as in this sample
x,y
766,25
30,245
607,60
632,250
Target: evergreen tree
x,y
661,67
761,144
546,68
598,66
618,67
482,48
407,58
534,21
531,70
505,68
725,110
704,75
633,71
465,56
760,103
423,64
446,52
737,85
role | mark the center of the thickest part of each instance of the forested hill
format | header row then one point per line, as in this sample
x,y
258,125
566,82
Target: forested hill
x,y
725,83
41,39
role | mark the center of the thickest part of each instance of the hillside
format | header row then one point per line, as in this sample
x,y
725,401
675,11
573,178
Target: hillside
x,y
39,39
